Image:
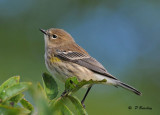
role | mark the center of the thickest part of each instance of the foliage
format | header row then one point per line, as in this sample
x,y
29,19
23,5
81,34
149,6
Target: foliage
x,y
12,99
11,95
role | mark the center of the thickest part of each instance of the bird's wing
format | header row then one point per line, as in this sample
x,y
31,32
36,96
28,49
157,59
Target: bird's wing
x,y
85,61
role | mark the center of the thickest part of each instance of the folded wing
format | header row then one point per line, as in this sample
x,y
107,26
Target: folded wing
x,y
85,61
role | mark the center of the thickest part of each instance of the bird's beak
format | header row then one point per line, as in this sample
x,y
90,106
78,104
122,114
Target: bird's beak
x,y
43,31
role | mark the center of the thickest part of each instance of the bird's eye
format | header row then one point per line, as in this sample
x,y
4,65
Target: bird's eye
x,y
54,36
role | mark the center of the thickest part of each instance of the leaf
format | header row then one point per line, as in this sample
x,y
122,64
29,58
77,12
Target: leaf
x,y
14,100
26,104
72,84
41,102
43,106
50,86
66,111
40,99
41,90
14,90
11,81
6,110
59,108
17,98
78,105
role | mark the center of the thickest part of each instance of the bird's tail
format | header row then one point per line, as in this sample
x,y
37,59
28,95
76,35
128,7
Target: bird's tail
x,y
126,86
116,83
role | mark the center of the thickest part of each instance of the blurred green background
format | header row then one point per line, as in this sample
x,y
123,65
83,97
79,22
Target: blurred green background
x,y
124,35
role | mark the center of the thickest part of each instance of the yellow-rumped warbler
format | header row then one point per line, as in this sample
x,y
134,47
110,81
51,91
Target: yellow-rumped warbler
x,y
64,58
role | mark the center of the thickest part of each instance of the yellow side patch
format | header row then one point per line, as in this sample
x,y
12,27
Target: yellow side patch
x,y
54,59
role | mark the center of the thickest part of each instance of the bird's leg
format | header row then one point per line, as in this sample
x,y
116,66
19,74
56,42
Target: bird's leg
x,y
82,102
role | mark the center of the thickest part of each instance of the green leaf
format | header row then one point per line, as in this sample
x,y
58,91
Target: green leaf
x,y
78,105
6,110
26,104
50,86
14,100
11,81
40,99
72,84
14,90
17,98
59,108
41,90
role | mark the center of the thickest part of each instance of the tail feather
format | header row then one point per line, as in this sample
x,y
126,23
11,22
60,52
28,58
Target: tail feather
x,y
117,83
126,86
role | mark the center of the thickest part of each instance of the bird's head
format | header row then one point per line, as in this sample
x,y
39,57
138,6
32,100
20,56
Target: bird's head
x,y
56,37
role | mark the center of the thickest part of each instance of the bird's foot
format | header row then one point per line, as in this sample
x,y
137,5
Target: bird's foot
x,y
64,93
83,105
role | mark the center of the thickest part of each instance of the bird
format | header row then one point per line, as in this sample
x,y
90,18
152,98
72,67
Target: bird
x,y
64,58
